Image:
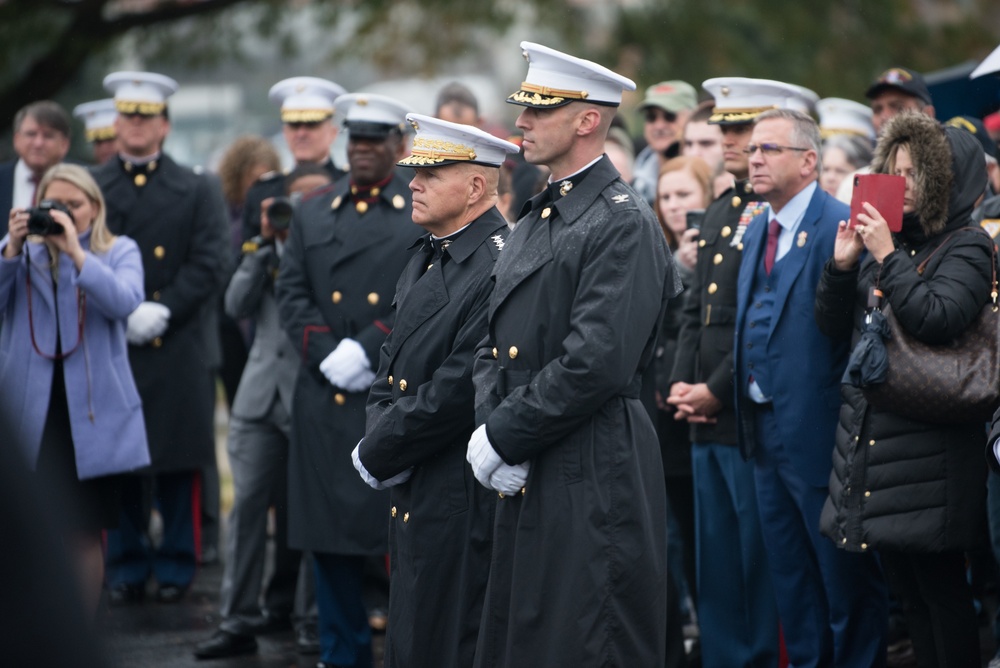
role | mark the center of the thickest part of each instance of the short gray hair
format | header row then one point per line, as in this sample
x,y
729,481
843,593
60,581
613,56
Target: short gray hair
x,y
857,149
805,131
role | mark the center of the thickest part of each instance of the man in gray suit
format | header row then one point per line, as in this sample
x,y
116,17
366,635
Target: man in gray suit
x,y
259,431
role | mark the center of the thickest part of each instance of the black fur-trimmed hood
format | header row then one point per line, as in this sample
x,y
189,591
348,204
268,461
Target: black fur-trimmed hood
x,y
931,156
951,169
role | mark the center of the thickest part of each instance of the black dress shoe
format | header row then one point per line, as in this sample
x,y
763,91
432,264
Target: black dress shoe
x,y
307,640
125,594
223,644
169,594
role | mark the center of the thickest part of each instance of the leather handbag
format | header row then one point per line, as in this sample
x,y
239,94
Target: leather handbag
x,y
949,383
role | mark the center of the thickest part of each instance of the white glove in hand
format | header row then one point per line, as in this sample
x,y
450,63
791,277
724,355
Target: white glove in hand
x,y
482,457
362,382
371,480
510,479
346,361
148,321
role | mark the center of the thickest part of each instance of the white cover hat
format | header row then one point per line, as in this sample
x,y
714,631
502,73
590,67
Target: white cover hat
x,y
143,93
370,114
305,99
98,119
440,142
839,116
555,79
740,100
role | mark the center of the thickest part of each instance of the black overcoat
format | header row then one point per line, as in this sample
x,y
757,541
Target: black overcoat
x,y
442,519
178,219
578,576
336,280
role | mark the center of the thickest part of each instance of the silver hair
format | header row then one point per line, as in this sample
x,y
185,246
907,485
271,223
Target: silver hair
x,y
805,131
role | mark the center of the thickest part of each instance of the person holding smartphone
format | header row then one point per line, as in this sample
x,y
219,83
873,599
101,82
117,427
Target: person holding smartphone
x,y
913,491
65,380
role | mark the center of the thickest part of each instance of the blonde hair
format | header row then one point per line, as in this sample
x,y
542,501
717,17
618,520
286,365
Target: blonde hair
x,y
101,238
702,174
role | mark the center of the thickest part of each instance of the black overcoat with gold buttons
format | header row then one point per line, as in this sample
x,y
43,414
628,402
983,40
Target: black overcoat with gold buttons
x,y
705,343
579,557
178,218
441,524
336,280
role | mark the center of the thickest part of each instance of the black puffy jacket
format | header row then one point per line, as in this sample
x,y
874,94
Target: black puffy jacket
x,y
898,483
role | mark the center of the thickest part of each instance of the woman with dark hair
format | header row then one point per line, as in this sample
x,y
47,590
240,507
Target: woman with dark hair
x,y
912,490
65,380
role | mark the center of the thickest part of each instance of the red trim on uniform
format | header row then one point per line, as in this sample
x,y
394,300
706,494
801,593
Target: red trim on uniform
x,y
196,513
382,326
322,190
306,331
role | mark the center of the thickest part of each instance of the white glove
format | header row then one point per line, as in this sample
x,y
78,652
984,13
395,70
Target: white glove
x,y
371,480
510,479
148,321
482,457
362,382
346,361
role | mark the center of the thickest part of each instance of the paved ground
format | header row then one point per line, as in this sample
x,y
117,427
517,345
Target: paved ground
x,y
155,635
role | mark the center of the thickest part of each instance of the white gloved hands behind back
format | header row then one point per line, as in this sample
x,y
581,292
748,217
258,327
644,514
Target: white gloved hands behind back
x,y
148,321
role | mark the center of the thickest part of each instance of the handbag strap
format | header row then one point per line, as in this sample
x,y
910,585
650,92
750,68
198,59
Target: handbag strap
x,y
993,263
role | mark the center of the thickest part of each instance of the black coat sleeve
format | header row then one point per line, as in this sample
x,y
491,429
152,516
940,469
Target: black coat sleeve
x,y
835,295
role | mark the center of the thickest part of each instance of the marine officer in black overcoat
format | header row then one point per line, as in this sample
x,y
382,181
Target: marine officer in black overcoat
x,y
348,245
309,130
579,568
177,217
421,410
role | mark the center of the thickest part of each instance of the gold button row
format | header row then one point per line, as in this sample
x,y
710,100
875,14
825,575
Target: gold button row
x,y
338,296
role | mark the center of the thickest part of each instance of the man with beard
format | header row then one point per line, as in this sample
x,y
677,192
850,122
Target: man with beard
x,y
421,411
348,245
579,567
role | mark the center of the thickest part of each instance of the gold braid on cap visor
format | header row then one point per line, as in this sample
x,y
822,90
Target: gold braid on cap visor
x,y
543,95
826,133
305,115
142,108
435,151
737,115
101,134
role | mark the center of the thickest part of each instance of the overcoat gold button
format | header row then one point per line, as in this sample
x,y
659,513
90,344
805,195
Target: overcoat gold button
x,y
717,259
522,491
339,399
140,180
375,191
406,517
393,511
156,296
390,380
494,353
402,384
739,246
726,231
864,546
157,342
871,442
867,494
336,297
736,201
701,243
512,352
159,252
712,288
361,207
500,494
373,298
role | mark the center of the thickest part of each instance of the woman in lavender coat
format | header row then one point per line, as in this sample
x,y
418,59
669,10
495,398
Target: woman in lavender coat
x,y
65,381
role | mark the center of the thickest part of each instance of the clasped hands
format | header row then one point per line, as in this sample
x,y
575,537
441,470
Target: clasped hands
x,y
694,403
348,367
490,470
148,321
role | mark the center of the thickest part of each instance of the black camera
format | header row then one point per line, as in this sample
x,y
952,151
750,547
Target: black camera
x,y
281,210
40,220
694,218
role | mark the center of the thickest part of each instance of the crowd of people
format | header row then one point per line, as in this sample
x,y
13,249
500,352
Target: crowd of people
x,y
555,402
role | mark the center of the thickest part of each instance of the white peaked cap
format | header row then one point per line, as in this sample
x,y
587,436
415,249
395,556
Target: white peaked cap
x,y
143,93
440,142
555,79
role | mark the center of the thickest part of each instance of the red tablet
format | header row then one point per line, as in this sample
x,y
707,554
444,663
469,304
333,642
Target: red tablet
x,y
882,191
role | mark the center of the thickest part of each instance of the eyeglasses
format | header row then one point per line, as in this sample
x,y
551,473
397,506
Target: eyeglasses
x,y
655,112
770,149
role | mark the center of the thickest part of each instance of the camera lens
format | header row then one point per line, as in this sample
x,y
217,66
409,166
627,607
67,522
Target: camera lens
x,y
279,213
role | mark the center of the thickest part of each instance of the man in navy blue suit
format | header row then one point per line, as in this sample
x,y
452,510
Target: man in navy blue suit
x,y
41,139
832,603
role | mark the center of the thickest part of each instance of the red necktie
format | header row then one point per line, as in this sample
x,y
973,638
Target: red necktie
x,y
34,189
773,229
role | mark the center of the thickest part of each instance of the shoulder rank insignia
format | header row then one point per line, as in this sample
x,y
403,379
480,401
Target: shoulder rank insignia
x,y
620,199
498,241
